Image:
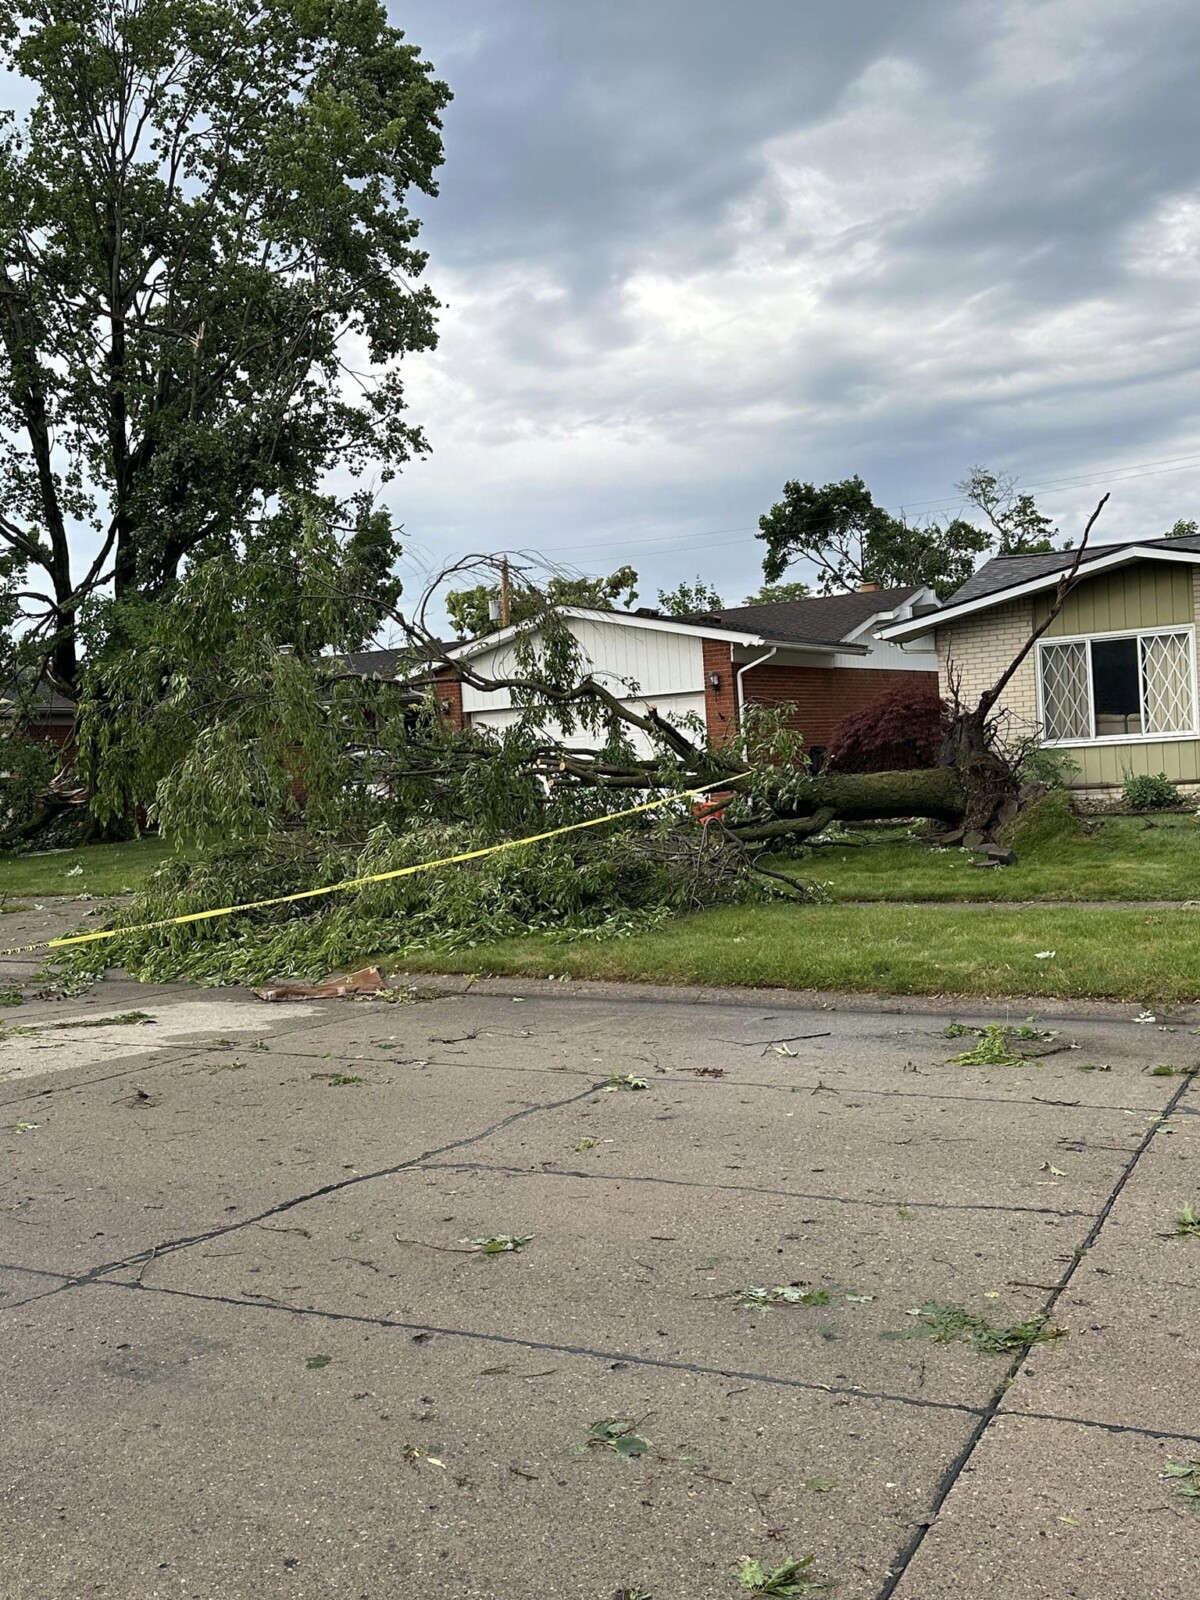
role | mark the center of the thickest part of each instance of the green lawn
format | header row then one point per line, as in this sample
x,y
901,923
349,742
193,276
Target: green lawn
x,y
1141,956
1121,858
107,869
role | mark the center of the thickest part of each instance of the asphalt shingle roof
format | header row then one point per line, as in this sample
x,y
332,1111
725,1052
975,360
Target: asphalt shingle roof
x,y
1005,572
820,619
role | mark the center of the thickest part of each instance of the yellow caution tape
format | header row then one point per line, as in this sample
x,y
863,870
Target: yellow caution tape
x,y
358,883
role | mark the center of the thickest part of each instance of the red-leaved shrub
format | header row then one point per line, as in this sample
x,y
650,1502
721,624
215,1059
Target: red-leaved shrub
x,y
903,728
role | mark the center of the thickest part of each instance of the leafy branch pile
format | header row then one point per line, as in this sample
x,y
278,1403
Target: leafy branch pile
x,y
578,886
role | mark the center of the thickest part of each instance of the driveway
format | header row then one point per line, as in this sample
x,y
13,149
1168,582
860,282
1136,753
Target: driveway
x,y
251,1353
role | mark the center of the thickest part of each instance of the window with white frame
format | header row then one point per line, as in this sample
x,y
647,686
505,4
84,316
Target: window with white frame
x,y
1118,686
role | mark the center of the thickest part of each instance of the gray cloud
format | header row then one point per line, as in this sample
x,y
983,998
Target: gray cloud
x,y
689,250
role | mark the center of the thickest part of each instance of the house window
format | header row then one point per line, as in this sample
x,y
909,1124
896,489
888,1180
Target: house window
x,y
1132,686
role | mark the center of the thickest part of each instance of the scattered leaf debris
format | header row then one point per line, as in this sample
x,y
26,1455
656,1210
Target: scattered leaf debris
x,y
1185,1476
949,1324
795,1577
1187,1221
623,1080
618,1434
499,1244
315,1363
753,1298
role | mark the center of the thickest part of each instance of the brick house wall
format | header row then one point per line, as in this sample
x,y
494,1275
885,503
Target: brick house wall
x,y
822,696
720,704
448,692
977,649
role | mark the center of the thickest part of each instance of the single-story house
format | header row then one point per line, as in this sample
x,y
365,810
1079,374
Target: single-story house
x,y
819,654
1112,683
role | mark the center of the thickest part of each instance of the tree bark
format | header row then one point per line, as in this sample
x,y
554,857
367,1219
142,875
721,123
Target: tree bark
x,y
936,792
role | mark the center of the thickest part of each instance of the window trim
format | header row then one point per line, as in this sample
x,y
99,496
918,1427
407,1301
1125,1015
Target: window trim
x,y
1188,628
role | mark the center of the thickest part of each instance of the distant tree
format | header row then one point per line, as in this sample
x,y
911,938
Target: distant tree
x,y
209,277
850,540
1017,525
470,610
1183,530
686,599
773,594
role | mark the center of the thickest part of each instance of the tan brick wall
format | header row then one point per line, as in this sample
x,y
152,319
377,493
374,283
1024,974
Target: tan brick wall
x,y
977,650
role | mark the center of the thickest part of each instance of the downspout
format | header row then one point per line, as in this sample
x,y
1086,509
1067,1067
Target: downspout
x,y
739,694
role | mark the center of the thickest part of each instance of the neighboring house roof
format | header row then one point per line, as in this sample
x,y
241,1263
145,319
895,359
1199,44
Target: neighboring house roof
x,y
44,704
830,619
828,624
1006,578
386,664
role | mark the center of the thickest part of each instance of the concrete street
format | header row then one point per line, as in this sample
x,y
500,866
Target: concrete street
x,y
249,1352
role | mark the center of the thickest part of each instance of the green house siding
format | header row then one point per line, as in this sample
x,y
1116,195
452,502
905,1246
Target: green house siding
x,y
1108,765
1152,594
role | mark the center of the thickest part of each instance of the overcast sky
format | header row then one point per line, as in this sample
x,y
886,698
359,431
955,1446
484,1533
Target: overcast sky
x,y
690,249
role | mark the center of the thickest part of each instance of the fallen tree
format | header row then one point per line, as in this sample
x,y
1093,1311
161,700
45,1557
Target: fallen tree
x,y
296,772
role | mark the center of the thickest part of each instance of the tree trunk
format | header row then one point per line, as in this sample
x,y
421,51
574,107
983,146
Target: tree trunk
x,y
936,792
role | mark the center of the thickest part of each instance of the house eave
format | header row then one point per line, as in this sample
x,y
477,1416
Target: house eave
x,y
1123,555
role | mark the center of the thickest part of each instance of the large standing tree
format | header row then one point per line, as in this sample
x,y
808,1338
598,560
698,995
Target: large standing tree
x,y
208,277
840,530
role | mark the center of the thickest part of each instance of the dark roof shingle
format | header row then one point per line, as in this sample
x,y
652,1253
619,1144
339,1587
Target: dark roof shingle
x,y
1005,572
820,619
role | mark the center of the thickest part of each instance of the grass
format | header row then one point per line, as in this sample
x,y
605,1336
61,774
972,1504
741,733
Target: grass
x,y
1143,956
107,869
1115,858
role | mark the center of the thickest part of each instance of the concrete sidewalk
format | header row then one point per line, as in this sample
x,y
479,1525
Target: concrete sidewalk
x,y
249,1353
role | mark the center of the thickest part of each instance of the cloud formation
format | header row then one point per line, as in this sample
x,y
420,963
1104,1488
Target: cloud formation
x,y
690,250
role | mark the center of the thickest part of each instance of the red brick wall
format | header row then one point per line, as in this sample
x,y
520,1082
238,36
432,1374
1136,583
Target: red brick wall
x,y
448,689
824,695
720,704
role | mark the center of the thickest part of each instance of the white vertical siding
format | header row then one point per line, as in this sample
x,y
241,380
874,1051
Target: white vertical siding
x,y
639,665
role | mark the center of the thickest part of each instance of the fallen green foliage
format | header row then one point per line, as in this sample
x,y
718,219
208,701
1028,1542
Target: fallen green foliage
x,y
752,1298
499,1244
949,1324
624,1080
597,885
1185,1476
991,1051
795,1577
1187,1222
618,1434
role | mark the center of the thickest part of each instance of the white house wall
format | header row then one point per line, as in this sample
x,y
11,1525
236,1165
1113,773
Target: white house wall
x,y
639,665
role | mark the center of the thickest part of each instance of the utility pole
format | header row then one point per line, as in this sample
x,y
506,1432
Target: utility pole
x,y
505,598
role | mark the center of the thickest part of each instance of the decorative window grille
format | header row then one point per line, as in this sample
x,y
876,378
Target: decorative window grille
x,y
1091,689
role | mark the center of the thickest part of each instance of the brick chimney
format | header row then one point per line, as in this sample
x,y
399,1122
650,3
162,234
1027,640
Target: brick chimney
x,y
869,588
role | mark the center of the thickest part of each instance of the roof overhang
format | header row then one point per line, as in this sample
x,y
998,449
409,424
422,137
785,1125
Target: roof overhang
x,y
1121,556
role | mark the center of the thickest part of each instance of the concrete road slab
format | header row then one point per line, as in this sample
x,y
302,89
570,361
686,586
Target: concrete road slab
x,y
1056,1509
653,1272
183,1145
164,1447
187,1224
1137,1290
911,1152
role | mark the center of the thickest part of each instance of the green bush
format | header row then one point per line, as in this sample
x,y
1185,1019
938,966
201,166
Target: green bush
x,y
1054,768
1150,791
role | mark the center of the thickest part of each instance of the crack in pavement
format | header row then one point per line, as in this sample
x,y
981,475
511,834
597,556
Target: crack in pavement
x,y
540,1346
950,1477
281,1207
745,1188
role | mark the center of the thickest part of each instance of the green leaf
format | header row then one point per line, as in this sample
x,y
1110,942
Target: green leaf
x,y
315,1363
